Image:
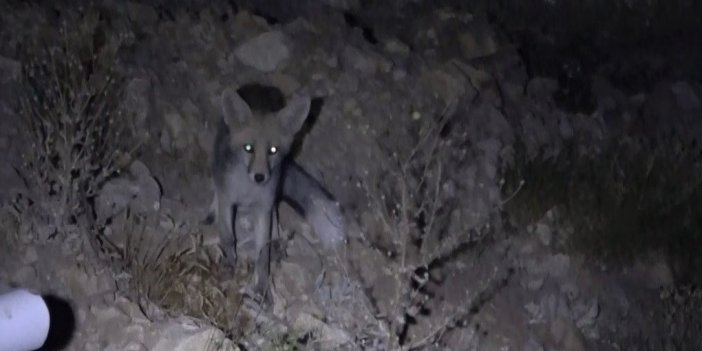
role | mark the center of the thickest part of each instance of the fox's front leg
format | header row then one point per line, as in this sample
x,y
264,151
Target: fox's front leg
x,y
262,232
225,223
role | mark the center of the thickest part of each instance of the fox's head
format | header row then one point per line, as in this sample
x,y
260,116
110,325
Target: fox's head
x,y
262,140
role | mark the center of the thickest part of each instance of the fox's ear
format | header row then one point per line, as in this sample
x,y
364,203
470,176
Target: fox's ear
x,y
294,114
234,109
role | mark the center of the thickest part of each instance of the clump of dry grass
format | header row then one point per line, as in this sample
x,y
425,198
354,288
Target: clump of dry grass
x,y
174,273
79,133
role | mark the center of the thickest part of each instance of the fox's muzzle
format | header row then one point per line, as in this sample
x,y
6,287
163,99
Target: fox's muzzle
x,y
259,170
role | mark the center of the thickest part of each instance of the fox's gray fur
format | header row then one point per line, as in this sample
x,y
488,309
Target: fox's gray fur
x,y
251,158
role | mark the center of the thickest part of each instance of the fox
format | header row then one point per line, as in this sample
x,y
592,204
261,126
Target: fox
x,y
253,170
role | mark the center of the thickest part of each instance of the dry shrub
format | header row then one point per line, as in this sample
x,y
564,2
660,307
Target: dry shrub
x,y
414,209
79,134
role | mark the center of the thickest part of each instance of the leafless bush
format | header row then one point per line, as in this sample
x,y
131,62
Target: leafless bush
x,y
414,205
77,128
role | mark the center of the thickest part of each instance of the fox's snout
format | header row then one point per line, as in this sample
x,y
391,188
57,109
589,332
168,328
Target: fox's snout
x,y
259,166
259,178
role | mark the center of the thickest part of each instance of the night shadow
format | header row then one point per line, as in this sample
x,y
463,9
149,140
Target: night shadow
x,y
62,323
315,110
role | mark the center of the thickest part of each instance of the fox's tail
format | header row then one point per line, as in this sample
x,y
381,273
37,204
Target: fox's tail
x,y
304,193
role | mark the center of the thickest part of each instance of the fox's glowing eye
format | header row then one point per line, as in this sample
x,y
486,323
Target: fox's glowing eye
x,y
248,147
273,150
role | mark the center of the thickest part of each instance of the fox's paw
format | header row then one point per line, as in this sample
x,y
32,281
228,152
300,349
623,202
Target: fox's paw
x,y
229,255
255,299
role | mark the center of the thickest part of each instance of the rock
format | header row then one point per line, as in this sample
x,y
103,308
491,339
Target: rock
x,y
175,336
541,89
653,272
396,47
247,25
24,274
533,345
567,336
399,74
330,338
30,256
141,14
122,333
478,42
84,284
588,313
672,109
483,81
135,346
137,102
557,265
344,5
180,127
685,96
356,60
205,137
564,126
544,233
9,69
108,315
534,283
447,84
165,143
292,282
347,82
285,82
570,289
266,52
138,190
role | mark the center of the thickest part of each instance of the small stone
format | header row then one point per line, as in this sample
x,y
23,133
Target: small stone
x,y
399,74
395,46
354,58
478,43
685,96
175,336
544,233
286,83
344,5
9,69
266,52
30,256
141,13
347,82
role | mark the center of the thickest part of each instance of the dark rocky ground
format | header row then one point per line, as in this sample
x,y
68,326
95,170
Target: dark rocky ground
x,y
514,176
